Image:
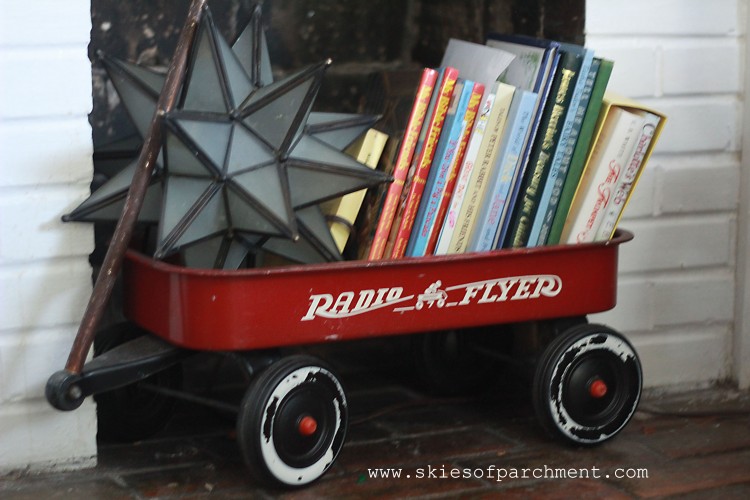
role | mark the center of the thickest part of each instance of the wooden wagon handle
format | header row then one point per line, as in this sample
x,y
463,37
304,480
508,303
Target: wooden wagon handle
x,y
105,281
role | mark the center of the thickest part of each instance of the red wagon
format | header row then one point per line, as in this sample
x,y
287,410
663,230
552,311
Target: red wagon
x,y
293,417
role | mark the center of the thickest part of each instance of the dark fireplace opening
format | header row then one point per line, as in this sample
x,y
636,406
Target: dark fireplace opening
x,y
362,38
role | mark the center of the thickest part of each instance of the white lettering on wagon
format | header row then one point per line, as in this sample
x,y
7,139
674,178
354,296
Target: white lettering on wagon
x,y
325,305
352,303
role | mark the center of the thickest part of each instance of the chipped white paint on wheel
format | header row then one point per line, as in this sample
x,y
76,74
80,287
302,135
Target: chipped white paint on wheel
x,y
564,422
276,466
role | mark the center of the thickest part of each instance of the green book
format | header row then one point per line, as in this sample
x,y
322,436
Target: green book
x,y
550,128
581,151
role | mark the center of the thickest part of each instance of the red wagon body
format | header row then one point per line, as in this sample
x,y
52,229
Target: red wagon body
x,y
260,308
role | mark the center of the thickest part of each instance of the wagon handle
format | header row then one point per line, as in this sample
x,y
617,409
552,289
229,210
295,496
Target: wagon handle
x,y
105,281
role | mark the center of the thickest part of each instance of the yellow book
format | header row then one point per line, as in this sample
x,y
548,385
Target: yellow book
x,y
342,212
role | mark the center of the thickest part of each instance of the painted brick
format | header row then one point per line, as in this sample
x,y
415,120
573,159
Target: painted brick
x,y
632,58
44,294
635,306
11,302
32,228
703,184
671,299
33,81
45,277
694,298
48,26
668,17
699,67
61,153
34,432
700,124
678,243
27,358
683,356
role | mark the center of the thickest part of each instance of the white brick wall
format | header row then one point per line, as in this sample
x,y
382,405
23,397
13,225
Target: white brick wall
x,y
677,277
45,278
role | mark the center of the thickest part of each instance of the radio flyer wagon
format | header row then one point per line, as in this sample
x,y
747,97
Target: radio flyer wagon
x,y
293,418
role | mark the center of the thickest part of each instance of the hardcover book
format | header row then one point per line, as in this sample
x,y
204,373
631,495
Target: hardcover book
x,y
534,56
535,63
564,148
401,168
486,156
543,150
431,132
620,129
341,213
621,194
360,241
470,119
464,174
501,177
475,62
437,177
581,151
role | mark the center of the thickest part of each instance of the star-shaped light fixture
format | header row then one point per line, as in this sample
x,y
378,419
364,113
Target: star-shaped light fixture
x,y
244,158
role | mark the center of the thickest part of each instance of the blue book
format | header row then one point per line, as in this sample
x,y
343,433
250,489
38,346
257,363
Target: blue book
x,y
561,149
445,152
504,172
567,161
525,48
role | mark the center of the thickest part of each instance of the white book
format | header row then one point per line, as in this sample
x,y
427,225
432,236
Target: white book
x,y
614,208
477,185
464,174
612,152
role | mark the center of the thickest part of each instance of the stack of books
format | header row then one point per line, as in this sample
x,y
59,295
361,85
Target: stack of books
x,y
515,143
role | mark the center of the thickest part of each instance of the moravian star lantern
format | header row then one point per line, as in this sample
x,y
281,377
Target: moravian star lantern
x,y
244,159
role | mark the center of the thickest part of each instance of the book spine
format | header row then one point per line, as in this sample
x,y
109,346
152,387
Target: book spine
x,y
342,212
408,145
614,147
414,164
445,91
369,214
625,184
581,151
563,153
545,88
544,147
468,125
503,172
464,175
446,151
485,160
553,189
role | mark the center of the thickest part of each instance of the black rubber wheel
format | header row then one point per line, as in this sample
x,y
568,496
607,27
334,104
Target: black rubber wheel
x,y
587,385
133,413
292,422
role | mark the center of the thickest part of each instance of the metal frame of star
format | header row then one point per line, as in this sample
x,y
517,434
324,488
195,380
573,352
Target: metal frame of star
x,y
238,157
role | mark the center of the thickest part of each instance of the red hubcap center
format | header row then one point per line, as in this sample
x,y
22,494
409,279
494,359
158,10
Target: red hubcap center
x,y
598,388
307,426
